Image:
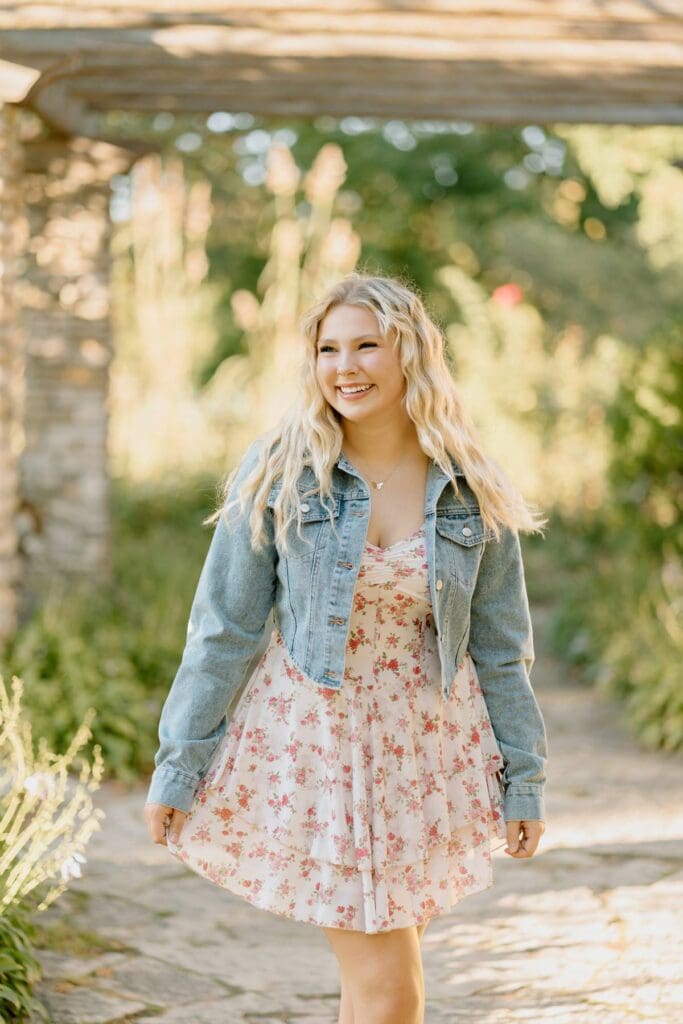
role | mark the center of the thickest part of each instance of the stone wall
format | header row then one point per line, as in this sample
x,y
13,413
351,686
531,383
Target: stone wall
x,y
64,514
12,238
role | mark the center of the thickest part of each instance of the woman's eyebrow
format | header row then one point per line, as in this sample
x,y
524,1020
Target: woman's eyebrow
x,y
360,337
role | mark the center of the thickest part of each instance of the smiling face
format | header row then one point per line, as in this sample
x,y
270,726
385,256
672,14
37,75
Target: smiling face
x,y
352,351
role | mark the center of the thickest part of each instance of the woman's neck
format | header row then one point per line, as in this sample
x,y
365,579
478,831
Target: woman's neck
x,y
382,447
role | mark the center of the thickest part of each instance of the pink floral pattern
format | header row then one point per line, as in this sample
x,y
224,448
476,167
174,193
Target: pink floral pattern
x,y
372,807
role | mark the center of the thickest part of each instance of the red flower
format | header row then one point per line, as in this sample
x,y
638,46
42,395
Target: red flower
x,y
507,295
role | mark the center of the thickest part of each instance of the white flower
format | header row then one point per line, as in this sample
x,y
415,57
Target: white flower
x,y
40,784
71,866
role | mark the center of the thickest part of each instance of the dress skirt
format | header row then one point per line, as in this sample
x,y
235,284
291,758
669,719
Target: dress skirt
x,y
372,807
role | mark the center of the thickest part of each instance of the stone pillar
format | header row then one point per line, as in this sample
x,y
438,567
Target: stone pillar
x,y
64,480
12,237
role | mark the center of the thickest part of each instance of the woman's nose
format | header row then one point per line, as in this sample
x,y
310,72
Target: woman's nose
x,y
346,365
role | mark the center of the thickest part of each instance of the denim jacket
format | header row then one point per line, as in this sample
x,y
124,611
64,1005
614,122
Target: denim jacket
x,y
479,604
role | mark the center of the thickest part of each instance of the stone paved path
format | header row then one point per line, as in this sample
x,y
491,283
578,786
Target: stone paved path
x,y
586,931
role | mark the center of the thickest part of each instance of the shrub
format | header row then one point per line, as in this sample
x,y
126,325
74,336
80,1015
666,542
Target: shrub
x,y
46,820
116,646
623,619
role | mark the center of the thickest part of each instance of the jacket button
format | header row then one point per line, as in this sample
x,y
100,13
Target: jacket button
x,y
307,508
439,584
466,530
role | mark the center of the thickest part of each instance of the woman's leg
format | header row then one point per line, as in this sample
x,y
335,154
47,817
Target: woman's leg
x,y
381,975
345,1005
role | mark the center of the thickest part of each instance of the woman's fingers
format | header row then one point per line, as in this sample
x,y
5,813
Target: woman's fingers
x,y
155,816
536,830
177,822
162,819
523,837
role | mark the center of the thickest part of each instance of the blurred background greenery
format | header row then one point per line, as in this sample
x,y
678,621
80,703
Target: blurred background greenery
x,y
551,256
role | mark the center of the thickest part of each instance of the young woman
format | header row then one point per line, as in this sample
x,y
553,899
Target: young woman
x,y
387,739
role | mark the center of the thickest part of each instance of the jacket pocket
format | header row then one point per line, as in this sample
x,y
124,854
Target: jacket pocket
x,y
465,534
463,525
315,526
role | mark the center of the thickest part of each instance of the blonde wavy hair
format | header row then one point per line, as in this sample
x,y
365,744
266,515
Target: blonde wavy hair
x,y
310,433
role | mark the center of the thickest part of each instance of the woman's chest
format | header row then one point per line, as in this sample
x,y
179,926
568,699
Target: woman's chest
x,y
397,508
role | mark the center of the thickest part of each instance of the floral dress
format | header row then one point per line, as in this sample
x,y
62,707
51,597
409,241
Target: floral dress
x,y
369,808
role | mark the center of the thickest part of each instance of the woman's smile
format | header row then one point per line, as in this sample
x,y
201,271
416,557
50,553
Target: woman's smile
x,y
354,395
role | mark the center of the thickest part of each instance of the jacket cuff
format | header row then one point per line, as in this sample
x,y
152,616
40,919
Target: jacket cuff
x,y
524,802
171,788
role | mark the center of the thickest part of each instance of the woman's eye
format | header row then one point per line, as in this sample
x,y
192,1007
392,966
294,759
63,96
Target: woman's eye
x,y
324,348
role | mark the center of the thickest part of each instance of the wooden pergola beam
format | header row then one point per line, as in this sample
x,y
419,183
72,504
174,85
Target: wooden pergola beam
x,y
512,61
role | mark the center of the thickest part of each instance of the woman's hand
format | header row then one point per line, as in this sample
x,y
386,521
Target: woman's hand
x,y
523,837
158,816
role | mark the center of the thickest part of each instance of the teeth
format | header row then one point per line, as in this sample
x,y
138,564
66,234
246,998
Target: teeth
x,y
352,391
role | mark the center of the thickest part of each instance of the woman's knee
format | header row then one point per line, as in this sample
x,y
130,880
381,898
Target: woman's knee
x,y
387,988
390,1003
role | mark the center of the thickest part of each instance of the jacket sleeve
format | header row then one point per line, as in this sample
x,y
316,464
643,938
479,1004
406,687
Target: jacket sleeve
x,y
501,646
231,605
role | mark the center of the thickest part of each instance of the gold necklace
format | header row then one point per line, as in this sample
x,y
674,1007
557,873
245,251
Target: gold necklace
x,y
379,484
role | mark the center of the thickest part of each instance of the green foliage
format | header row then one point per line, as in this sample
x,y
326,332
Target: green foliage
x,y
19,968
422,193
623,620
116,647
